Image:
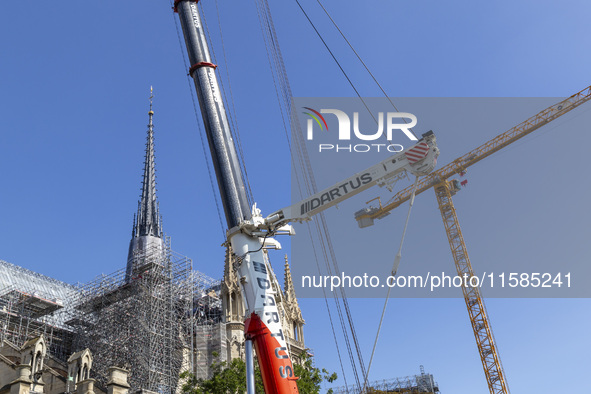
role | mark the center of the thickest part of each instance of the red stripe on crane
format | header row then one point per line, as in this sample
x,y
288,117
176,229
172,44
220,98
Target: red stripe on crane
x,y
417,152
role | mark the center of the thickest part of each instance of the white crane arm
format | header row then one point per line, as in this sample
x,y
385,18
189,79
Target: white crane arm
x,y
419,159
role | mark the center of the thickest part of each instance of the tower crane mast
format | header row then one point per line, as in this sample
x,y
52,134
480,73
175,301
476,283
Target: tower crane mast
x,y
489,356
444,190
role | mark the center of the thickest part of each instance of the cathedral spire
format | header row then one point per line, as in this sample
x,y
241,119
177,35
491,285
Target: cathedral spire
x,y
147,237
288,286
148,220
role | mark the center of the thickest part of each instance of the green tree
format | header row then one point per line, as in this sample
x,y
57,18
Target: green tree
x,y
230,378
226,377
311,377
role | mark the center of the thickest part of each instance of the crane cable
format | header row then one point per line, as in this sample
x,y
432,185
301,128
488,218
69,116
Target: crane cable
x,y
284,96
328,310
393,273
398,255
275,58
335,59
361,60
275,82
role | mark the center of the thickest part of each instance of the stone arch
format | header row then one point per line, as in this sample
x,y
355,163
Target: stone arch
x,y
79,366
33,354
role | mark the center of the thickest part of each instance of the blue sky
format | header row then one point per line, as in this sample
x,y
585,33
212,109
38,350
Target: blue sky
x,y
73,104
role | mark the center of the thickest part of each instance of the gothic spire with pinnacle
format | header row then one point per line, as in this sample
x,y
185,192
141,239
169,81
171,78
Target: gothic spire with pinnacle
x,y
288,283
148,220
291,302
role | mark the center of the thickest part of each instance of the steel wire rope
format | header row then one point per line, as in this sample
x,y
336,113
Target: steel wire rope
x,y
324,222
337,303
394,271
361,60
271,42
284,83
383,91
342,290
322,217
335,59
285,94
329,313
279,55
325,239
326,242
285,128
330,256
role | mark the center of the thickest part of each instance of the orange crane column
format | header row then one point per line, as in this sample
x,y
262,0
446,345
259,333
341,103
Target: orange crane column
x,y
495,376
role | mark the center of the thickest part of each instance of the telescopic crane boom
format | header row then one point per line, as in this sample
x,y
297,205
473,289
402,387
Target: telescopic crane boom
x,y
444,190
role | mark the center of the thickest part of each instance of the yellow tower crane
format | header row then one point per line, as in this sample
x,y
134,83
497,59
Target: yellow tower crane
x,y
444,190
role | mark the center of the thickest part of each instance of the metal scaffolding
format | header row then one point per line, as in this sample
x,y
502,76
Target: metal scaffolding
x,y
31,305
209,329
162,319
145,322
423,383
210,340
